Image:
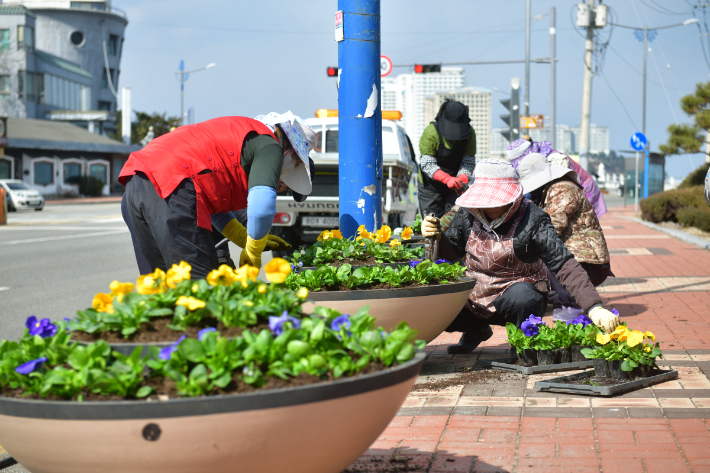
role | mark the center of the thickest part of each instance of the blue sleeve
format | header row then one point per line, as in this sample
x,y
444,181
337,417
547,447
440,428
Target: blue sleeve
x,y
261,207
220,220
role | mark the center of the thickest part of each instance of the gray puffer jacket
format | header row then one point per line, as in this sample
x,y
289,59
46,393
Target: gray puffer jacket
x,y
535,238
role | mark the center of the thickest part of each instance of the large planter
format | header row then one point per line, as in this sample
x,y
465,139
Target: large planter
x,y
429,309
310,429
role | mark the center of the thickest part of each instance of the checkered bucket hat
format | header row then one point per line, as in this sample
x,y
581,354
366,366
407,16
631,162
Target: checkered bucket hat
x,y
496,184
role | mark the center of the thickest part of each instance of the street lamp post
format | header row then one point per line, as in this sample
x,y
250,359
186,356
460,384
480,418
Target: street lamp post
x,y
184,75
646,30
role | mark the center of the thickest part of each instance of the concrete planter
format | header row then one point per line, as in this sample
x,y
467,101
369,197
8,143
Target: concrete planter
x,y
309,429
429,309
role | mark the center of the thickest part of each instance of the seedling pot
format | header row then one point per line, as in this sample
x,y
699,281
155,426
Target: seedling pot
x,y
547,357
615,370
528,357
564,355
577,353
316,428
601,368
429,309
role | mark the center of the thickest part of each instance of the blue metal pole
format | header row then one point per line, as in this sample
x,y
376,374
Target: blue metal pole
x,y
360,117
646,167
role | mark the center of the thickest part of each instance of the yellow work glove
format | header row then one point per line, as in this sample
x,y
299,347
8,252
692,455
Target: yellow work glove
x,y
275,243
236,233
431,227
251,254
604,319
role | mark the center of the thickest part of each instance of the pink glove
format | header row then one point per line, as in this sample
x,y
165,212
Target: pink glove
x,y
463,178
450,181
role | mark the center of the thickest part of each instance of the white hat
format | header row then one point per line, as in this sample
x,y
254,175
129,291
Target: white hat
x,y
535,172
303,140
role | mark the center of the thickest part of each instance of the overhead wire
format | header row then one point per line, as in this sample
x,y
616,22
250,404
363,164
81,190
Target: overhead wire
x,y
628,115
666,12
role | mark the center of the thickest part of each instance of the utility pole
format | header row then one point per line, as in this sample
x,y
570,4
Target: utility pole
x,y
587,88
359,115
126,115
553,78
527,59
643,123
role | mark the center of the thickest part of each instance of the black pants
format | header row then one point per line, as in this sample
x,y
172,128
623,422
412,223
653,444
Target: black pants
x,y
166,229
515,305
433,201
597,274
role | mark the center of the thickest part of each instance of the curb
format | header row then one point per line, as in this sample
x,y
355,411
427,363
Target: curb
x,y
693,240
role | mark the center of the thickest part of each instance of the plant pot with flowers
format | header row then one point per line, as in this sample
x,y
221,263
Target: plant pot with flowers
x,y
624,354
260,400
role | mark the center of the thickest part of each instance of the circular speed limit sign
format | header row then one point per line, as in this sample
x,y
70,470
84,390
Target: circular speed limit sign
x,y
385,65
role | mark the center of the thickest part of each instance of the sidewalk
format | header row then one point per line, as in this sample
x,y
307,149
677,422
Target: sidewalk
x,y
499,423
88,200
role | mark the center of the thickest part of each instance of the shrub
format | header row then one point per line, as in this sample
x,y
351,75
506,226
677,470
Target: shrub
x,y
90,186
698,217
695,178
664,206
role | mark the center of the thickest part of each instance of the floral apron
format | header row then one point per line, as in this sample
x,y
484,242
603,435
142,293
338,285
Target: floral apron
x,y
491,259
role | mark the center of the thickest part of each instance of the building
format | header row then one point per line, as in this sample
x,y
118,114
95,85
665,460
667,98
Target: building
x,y
406,93
49,155
598,139
567,139
60,60
479,111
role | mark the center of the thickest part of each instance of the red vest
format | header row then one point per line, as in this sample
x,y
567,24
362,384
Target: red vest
x,y
215,145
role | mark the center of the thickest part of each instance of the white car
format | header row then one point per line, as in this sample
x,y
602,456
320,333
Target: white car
x,y
21,195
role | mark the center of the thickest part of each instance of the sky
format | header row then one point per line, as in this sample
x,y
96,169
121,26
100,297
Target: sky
x,y
272,56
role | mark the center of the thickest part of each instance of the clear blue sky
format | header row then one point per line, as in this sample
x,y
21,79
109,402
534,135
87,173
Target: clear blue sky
x,y
272,56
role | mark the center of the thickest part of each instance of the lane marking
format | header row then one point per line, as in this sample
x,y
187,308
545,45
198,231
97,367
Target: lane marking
x,y
65,237
4,289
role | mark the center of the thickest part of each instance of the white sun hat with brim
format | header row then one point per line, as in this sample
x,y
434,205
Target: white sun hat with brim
x,y
303,140
535,172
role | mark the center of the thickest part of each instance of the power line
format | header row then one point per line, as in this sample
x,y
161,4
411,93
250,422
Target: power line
x,y
619,99
663,10
636,70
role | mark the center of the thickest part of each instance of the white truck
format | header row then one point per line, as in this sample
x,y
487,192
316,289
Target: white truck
x,y
302,222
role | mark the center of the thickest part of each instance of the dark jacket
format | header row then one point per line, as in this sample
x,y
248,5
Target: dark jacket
x,y
535,238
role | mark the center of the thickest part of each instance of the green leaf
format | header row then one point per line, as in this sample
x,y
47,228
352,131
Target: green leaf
x,y
192,350
144,391
298,348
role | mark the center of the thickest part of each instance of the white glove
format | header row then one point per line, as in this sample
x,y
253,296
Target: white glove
x,y
603,319
431,227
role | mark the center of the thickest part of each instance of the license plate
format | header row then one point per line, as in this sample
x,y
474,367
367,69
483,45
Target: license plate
x,y
35,202
325,222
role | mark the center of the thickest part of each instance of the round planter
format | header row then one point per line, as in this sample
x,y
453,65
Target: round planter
x,y
127,348
429,309
355,266
317,428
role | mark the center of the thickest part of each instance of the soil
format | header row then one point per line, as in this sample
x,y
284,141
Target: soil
x,y
468,376
384,464
358,262
158,331
164,388
376,286
597,381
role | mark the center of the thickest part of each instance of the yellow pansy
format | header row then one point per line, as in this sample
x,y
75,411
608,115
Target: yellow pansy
x,y
325,235
195,287
246,273
337,234
620,330
103,303
603,339
262,289
248,303
407,233
190,302
302,293
153,283
383,234
395,243
650,335
634,338
277,270
179,272
120,289
647,349
223,275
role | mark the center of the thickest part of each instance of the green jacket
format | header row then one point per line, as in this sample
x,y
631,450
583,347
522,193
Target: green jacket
x,y
429,142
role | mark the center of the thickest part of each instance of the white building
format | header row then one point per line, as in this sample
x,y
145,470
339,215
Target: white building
x,y
567,139
564,142
479,111
406,93
598,139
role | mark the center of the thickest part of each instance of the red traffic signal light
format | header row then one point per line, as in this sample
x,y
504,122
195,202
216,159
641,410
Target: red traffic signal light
x,y
426,68
332,72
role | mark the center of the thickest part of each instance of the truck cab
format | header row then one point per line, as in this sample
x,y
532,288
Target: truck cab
x,y
302,222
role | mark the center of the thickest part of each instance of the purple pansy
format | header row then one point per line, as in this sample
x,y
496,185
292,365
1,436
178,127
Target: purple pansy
x,y
201,334
342,321
582,319
166,352
441,261
44,328
413,264
530,326
614,311
30,366
276,324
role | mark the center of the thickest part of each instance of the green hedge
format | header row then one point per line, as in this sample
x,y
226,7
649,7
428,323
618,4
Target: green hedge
x,y
695,178
664,207
698,217
90,186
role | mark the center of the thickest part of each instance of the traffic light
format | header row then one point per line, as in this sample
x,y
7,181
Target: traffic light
x,y
332,72
513,117
426,68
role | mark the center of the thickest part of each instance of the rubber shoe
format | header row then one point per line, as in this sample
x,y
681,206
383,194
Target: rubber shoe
x,y
470,340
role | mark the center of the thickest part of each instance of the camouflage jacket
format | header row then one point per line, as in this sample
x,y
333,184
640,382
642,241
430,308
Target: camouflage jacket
x,y
576,223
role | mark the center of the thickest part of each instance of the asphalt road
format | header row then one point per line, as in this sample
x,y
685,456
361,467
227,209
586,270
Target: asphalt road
x,y
53,262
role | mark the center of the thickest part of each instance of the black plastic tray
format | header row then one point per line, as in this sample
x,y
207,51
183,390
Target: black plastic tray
x,y
551,385
508,364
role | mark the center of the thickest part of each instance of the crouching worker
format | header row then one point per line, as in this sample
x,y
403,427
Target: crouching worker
x,y
508,243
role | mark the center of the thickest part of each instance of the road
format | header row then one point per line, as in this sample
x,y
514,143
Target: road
x,y
54,261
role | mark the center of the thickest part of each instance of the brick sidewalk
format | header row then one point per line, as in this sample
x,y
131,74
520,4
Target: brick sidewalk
x,y
503,425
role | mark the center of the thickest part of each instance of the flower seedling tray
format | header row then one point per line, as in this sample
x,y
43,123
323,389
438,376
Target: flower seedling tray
x,y
509,364
562,385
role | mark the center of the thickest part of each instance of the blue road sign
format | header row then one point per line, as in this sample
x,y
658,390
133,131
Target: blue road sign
x,y
638,141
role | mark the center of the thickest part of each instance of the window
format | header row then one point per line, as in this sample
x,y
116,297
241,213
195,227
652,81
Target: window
x,y
26,85
331,141
5,169
112,45
98,171
77,38
104,80
25,37
99,6
44,173
319,142
72,171
19,186
104,105
4,40
62,93
5,87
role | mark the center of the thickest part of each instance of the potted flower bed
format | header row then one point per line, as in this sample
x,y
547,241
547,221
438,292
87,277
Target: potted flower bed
x,y
624,354
539,344
259,401
427,295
